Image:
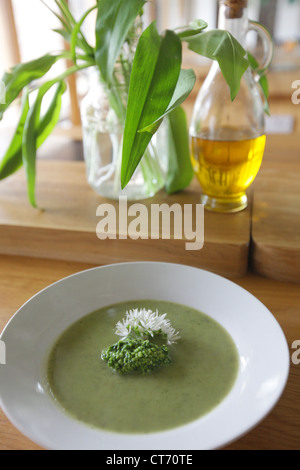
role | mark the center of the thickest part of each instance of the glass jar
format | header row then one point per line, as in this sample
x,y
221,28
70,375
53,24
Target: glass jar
x,y
228,137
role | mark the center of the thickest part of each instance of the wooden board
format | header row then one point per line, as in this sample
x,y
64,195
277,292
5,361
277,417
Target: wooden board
x,y
66,227
276,213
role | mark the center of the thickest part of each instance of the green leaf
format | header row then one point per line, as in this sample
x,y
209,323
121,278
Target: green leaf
x,y
66,24
62,32
35,132
12,159
51,117
66,17
195,27
185,85
22,75
222,46
180,171
76,31
69,24
114,21
263,83
264,86
154,76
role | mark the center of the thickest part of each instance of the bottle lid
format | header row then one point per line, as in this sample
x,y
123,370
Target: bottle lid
x,y
235,8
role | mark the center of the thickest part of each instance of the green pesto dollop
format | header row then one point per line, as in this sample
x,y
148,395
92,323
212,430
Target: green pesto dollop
x,y
133,355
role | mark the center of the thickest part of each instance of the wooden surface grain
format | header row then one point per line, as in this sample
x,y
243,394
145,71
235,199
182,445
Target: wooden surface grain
x,y
276,212
65,228
21,278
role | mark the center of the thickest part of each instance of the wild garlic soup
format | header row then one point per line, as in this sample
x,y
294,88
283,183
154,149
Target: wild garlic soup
x,y
202,370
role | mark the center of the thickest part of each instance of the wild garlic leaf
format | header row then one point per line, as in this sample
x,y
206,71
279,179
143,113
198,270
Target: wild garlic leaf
x,y
114,20
62,32
36,130
264,86
185,85
65,14
22,75
180,171
51,117
67,26
195,27
12,160
154,77
75,39
263,83
222,46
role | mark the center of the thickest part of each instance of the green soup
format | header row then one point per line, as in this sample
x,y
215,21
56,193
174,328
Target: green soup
x,y
203,370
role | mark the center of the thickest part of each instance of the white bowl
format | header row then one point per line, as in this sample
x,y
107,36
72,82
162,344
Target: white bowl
x,y
262,348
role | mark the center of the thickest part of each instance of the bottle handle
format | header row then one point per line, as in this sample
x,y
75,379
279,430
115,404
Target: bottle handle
x,y
268,46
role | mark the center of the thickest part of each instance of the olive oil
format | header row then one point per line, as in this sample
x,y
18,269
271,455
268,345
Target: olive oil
x,y
225,169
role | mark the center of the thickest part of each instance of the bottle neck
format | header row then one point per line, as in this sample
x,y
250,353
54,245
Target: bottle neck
x,y
236,24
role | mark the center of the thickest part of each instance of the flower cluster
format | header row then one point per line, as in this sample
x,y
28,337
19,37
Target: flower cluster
x,y
142,324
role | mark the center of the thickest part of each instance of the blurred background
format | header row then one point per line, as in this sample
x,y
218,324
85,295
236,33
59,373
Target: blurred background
x,y
26,32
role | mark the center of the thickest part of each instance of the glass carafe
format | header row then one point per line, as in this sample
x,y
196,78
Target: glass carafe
x,y
228,137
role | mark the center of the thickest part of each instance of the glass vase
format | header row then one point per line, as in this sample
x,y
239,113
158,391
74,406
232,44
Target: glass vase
x,y
102,145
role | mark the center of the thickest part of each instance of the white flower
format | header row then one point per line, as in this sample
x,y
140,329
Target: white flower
x,y
144,323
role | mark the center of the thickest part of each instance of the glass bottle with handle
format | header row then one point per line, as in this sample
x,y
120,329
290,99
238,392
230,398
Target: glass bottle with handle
x,y
228,137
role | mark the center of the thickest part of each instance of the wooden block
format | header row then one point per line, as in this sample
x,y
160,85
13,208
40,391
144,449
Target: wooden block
x,y
276,214
65,229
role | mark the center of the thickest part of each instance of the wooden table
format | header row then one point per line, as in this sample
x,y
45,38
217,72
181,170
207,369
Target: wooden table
x,y
26,268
